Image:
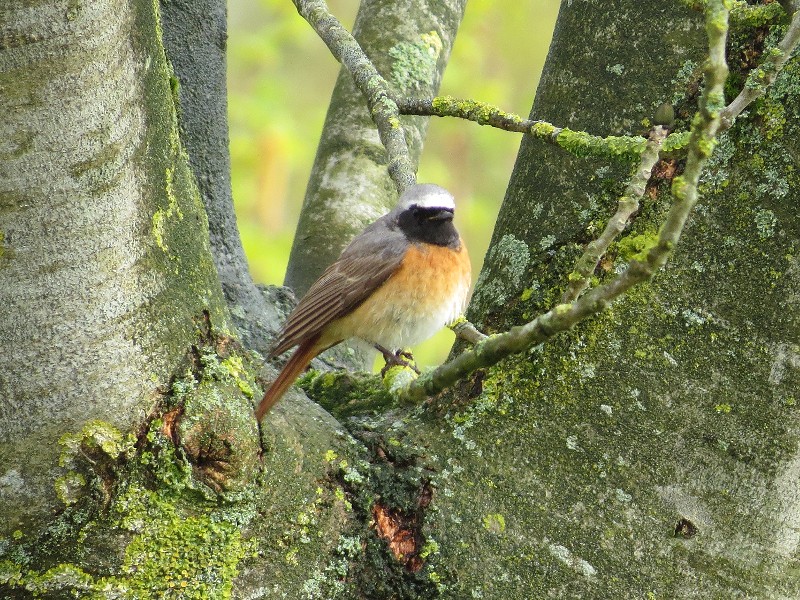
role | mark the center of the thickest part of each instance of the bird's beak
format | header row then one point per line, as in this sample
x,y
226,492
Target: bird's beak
x,y
444,214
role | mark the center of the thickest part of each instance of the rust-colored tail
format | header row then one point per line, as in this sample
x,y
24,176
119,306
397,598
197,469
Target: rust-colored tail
x,y
299,361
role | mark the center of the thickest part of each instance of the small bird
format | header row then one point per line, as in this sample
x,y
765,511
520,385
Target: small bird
x,y
399,281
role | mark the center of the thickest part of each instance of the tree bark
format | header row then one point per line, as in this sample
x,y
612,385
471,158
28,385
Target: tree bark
x,y
195,40
105,259
653,451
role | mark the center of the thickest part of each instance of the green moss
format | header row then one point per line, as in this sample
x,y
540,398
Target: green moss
x,y
679,187
69,487
542,129
57,579
752,16
209,409
95,436
175,88
162,216
345,394
636,247
10,574
175,549
580,144
160,501
183,557
476,111
94,451
494,523
172,555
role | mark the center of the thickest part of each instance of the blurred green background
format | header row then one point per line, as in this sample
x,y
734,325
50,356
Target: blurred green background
x,y
280,78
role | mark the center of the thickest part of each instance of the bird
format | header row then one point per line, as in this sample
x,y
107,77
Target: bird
x,y
397,283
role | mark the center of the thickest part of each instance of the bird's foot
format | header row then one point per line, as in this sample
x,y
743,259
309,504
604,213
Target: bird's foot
x,y
401,358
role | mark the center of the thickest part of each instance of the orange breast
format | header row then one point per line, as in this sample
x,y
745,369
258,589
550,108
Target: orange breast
x,y
428,291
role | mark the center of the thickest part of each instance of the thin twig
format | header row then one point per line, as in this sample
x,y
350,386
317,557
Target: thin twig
x,y
375,89
565,316
764,75
467,331
628,205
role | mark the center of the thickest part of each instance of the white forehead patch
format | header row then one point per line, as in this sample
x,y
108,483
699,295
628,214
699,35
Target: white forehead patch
x,y
427,195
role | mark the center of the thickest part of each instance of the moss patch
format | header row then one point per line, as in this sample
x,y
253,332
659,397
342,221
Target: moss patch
x,y
178,556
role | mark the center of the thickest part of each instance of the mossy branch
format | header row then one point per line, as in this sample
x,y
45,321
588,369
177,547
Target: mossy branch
x,y
467,331
577,143
627,206
372,85
684,190
764,75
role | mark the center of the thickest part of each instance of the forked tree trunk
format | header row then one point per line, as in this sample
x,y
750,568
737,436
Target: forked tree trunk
x,y
651,452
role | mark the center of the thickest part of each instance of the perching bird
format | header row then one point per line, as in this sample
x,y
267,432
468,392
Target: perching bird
x,y
399,281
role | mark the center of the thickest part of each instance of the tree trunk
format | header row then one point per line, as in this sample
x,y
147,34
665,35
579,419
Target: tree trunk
x,y
195,40
653,451
105,259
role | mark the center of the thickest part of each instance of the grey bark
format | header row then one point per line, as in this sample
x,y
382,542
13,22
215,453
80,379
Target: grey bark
x,y
195,39
104,261
409,42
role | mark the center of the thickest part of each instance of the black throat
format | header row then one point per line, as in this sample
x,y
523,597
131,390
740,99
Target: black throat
x,y
429,225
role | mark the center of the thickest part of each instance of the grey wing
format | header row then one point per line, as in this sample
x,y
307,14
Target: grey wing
x,y
363,267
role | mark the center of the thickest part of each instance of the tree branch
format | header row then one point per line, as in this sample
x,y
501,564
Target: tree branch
x,y
382,107
467,331
764,75
628,204
684,190
577,143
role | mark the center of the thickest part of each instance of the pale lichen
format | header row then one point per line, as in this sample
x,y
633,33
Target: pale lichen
x,y
510,257
415,65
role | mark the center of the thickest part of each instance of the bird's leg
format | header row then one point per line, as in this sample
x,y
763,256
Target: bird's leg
x,y
402,358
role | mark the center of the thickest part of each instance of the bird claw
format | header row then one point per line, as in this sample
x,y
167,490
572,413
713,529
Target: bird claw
x,y
401,358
